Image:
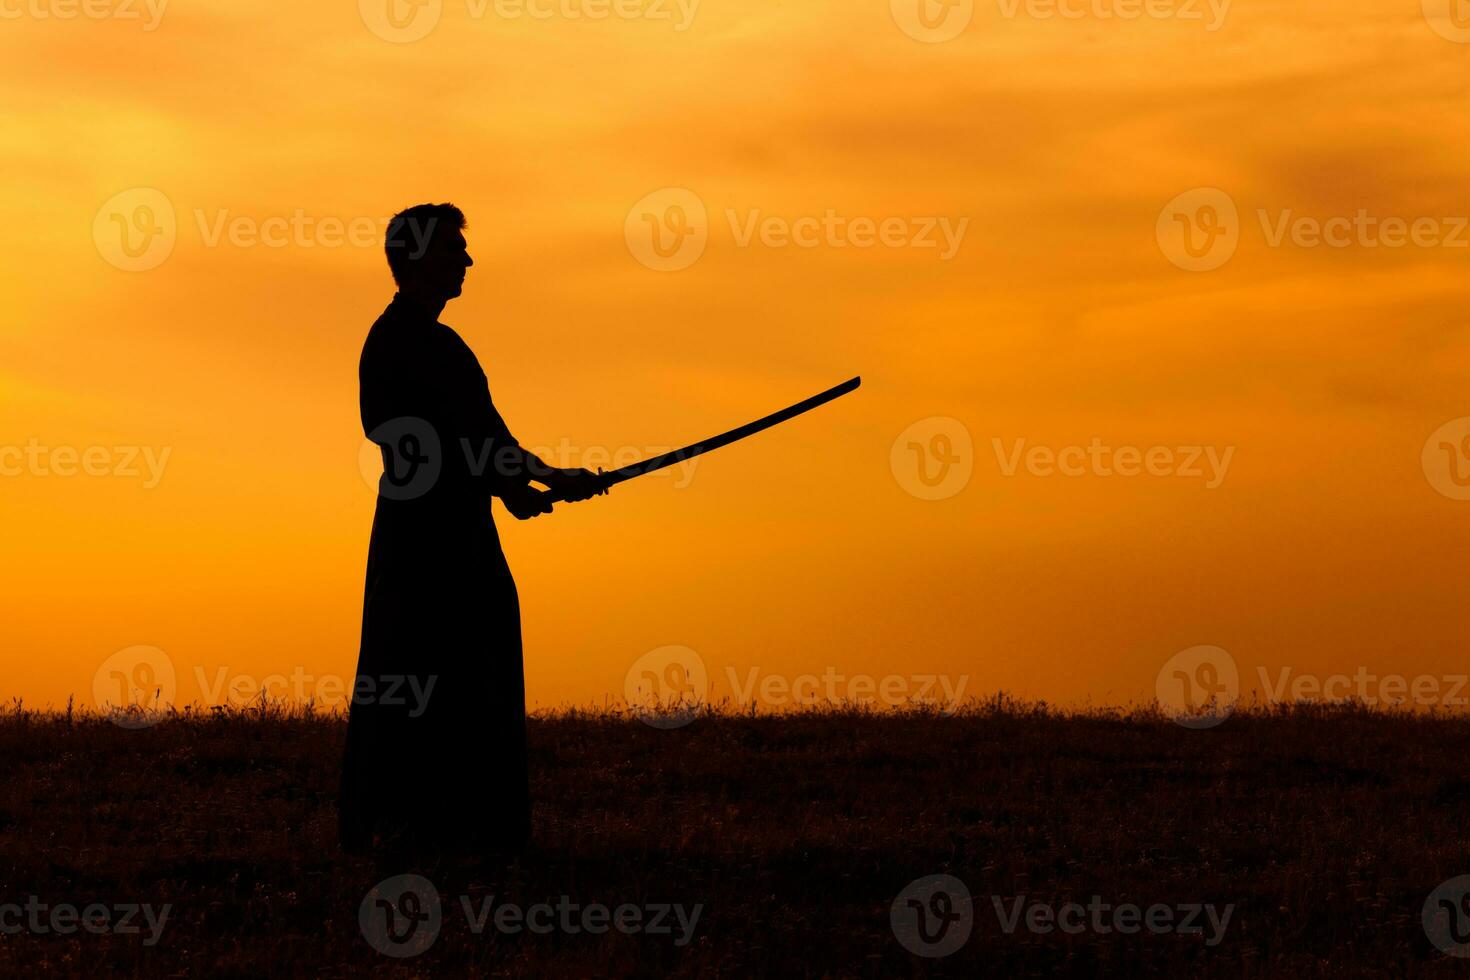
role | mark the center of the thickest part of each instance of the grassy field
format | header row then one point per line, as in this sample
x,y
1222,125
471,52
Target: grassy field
x,y
1322,831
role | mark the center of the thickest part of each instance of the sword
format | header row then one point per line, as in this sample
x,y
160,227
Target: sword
x,y
614,477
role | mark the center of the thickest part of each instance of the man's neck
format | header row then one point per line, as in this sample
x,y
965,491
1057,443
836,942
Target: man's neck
x,y
431,304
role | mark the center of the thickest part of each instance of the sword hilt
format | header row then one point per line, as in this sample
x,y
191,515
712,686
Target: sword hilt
x,y
552,497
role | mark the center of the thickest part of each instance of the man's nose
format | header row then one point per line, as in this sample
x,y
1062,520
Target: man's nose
x,y
468,261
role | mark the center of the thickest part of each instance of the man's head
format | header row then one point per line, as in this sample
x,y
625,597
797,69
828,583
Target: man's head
x,y
426,250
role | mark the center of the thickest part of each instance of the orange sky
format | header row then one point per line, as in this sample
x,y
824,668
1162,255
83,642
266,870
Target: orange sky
x,y
1060,318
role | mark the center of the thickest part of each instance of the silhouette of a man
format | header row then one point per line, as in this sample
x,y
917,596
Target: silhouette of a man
x,y
436,736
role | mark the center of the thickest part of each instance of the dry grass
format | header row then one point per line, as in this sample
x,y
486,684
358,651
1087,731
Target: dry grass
x,y
1326,827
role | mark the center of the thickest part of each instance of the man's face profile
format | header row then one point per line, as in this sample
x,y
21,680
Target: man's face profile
x,y
445,259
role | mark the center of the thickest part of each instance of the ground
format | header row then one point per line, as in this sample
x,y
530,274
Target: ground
x,y
1322,830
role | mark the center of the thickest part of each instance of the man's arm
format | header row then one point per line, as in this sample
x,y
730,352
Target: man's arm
x,y
510,470
514,469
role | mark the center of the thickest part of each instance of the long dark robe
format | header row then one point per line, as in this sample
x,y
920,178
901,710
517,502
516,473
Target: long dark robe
x,y
447,772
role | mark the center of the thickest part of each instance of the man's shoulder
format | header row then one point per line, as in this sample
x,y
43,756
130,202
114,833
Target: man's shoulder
x,y
394,316
402,335
453,340
390,335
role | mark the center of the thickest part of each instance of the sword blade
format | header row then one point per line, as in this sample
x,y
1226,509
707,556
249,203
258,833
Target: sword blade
x,y
613,477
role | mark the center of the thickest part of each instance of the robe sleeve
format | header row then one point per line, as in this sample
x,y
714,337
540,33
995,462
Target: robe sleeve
x,y
393,383
509,462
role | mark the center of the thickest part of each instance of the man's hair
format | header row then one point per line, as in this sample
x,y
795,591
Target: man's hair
x,y
411,230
